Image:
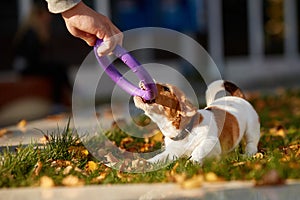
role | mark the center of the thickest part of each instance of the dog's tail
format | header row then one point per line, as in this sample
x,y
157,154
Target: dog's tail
x,y
222,86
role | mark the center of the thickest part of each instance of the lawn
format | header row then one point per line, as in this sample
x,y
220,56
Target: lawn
x,y
64,161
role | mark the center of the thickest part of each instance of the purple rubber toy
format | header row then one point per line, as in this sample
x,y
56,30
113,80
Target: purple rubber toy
x,y
150,90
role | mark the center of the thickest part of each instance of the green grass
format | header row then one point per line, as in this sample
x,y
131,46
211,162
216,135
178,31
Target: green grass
x,y
64,155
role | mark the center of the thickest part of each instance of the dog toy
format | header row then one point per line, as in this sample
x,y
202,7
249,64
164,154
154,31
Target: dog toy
x,y
148,92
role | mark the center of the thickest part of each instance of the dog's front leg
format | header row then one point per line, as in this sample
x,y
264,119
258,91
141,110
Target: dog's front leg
x,y
171,153
208,147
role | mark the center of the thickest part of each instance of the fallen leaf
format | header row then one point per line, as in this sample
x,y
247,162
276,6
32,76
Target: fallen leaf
x,y
211,177
91,166
124,176
239,163
44,139
194,182
72,181
4,131
179,178
67,170
157,136
278,131
258,156
79,151
60,163
46,182
22,123
100,178
37,168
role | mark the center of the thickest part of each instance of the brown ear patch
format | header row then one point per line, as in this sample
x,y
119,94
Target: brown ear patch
x,y
228,128
233,89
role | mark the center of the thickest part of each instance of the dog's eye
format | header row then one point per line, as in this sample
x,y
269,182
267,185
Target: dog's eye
x,y
166,89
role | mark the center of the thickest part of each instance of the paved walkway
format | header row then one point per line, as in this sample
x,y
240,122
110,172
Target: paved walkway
x,y
227,191
34,130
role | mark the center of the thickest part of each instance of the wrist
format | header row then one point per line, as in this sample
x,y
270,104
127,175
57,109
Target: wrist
x,y
73,10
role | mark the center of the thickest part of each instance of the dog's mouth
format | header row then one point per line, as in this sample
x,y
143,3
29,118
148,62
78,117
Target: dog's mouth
x,y
148,101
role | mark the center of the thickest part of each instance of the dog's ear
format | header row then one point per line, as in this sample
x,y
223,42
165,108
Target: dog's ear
x,y
187,108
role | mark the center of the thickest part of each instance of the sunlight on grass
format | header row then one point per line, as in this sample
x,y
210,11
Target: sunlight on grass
x,y
64,161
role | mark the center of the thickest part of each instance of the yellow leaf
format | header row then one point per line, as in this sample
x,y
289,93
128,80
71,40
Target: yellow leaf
x,y
91,166
3,132
179,178
72,181
85,152
157,136
194,182
211,177
258,156
100,178
22,123
239,163
278,131
67,170
46,182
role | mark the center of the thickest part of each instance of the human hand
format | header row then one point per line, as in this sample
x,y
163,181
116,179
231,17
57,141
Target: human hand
x,y
85,23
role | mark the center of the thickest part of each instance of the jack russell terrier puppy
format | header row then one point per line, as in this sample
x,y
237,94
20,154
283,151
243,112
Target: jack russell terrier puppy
x,y
212,131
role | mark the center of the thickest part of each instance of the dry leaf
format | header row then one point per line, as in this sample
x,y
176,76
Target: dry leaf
x,y
22,123
239,163
79,151
37,168
46,182
100,178
211,177
67,170
179,178
60,163
258,156
72,181
157,136
44,139
3,132
278,131
124,177
194,182
91,166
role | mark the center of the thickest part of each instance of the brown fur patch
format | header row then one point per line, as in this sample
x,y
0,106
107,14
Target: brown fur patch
x,y
228,128
233,89
170,102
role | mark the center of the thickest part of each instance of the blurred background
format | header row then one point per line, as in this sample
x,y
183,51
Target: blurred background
x,y
254,43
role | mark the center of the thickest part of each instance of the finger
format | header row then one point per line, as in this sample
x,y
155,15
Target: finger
x,y
110,42
88,38
106,47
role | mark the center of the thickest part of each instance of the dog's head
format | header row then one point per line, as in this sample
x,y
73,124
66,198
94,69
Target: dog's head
x,y
170,103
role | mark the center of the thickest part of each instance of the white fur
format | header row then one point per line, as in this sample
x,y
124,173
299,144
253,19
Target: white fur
x,y
203,140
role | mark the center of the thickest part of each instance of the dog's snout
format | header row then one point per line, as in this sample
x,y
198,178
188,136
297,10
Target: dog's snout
x,y
148,101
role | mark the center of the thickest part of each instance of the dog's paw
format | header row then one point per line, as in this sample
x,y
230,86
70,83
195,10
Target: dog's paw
x,y
162,158
154,160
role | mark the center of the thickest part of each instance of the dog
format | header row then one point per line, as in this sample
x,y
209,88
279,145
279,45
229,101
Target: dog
x,y
200,133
